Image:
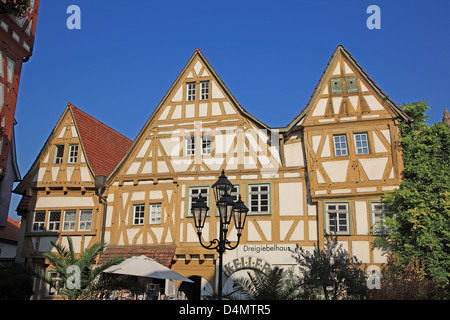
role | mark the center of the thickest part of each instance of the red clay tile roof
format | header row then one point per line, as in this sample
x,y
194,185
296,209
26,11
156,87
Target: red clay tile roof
x,y
104,146
11,231
162,254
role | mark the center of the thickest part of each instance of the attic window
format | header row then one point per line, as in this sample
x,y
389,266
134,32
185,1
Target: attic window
x,y
204,90
352,87
336,86
190,91
59,153
73,153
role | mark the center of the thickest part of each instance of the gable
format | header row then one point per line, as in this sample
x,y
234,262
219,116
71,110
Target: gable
x,y
199,106
78,148
345,93
62,160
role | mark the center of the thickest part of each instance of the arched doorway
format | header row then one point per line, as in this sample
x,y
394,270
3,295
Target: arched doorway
x,y
201,289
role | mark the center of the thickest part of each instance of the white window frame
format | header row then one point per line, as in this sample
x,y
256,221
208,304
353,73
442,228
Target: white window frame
x,y
361,149
85,225
73,153
54,225
138,215
155,213
58,159
189,145
204,90
339,151
38,226
341,217
193,194
69,224
191,89
206,145
259,199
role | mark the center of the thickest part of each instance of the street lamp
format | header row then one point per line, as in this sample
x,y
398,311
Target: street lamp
x,y
100,184
227,209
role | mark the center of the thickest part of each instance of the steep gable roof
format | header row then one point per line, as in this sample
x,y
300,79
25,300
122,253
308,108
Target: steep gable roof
x,y
197,54
104,147
341,50
11,232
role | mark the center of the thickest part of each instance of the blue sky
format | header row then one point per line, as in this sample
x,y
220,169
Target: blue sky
x,y
270,54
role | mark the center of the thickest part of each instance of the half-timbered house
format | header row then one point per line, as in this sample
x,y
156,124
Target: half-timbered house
x,y
323,174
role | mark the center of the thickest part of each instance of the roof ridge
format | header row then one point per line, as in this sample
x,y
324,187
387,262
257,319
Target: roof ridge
x,y
341,48
70,105
103,146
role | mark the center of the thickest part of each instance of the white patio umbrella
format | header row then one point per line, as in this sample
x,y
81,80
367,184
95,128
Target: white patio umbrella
x,y
143,266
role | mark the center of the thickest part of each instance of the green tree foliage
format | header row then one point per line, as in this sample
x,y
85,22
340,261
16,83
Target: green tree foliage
x,y
330,273
420,226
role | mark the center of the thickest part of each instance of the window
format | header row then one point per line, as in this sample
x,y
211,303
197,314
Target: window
x,y
190,146
206,145
204,93
235,192
2,72
85,222
2,96
54,220
155,213
350,82
337,218
379,214
190,91
10,65
259,198
194,192
59,153
340,145
39,221
73,153
361,143
69,220
336,86
138,214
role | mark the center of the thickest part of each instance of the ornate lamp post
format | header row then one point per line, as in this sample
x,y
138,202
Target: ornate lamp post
x,y
227,209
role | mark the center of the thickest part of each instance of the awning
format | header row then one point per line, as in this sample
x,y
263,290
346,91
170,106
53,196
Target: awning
x,y
145,267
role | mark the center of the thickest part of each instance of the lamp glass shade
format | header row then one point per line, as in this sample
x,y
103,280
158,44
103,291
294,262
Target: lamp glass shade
x,y
240,211
199,211
222,186
225,206
100,182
